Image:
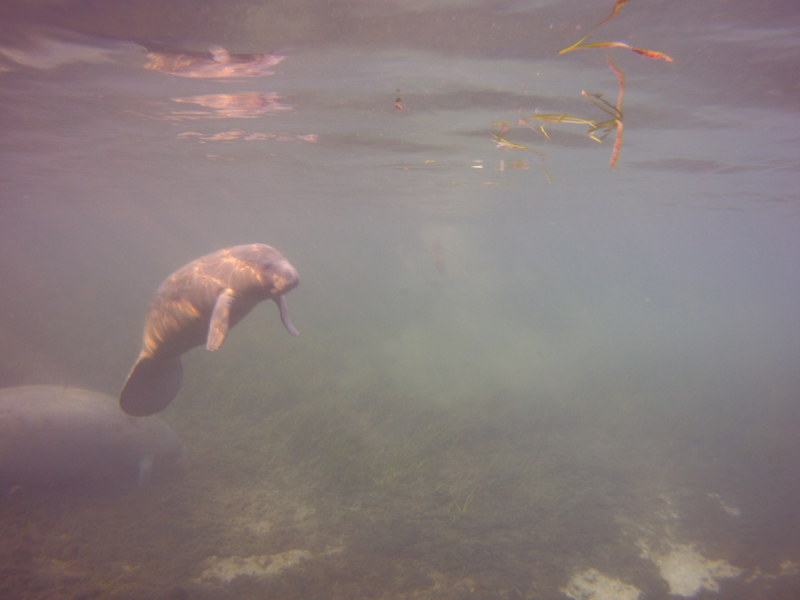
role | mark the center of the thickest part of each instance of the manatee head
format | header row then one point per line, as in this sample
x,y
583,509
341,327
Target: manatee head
x,y
276,276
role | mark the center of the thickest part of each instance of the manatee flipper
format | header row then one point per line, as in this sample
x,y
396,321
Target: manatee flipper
x,y
220,318
284,310
151,386
145,469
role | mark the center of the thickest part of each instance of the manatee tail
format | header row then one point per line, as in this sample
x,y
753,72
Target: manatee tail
x,y
151,386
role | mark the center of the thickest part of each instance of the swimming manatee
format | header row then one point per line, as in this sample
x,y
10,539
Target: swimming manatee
x,y
50,433
198,304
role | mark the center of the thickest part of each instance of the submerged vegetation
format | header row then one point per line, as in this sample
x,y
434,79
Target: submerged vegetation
x,y
387,490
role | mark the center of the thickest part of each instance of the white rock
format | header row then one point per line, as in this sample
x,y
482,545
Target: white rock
x,y
688,572
221,571
593,584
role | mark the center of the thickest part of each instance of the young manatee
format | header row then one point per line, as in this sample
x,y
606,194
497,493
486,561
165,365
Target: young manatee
x,y
197,305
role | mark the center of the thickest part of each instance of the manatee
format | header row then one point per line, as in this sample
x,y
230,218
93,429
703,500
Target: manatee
x,y
197,305
50,433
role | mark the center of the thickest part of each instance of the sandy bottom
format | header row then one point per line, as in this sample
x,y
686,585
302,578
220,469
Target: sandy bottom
x,y
381,496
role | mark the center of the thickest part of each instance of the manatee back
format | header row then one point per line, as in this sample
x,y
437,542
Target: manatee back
x,y
51,433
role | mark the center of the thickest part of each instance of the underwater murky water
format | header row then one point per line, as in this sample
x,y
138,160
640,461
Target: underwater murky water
x,y
520,374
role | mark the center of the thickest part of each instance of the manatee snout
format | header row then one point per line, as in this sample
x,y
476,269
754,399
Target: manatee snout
x,y
284,277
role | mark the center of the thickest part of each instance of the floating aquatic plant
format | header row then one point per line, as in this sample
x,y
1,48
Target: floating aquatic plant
x,y
503,143
641,51
614,110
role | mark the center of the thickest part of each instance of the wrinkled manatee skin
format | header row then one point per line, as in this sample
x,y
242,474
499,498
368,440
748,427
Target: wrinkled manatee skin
x,y
52,433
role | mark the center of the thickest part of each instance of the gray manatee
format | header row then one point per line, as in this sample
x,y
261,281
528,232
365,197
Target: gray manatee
x,y
50,433
198,304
